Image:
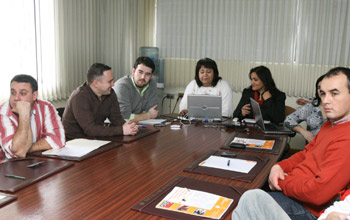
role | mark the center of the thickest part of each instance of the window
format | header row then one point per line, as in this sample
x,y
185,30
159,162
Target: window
x,y
28,44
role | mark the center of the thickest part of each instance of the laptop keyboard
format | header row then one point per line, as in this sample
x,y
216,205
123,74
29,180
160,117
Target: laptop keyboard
x,y
270,127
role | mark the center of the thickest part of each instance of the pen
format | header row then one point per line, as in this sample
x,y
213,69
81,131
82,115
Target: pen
x,y
15,176
35,164
228,163
142,126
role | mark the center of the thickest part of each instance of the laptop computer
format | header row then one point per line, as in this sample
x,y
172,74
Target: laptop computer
x,y
203,107
267,128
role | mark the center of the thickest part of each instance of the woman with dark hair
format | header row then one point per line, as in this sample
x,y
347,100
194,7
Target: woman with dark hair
x,y
311,113
207,81
264,91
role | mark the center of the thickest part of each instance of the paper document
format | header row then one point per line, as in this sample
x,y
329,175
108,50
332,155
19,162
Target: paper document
x,y
152,121
232,164
195,202
254,143
77,147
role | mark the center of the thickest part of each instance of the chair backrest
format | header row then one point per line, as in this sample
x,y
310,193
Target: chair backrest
x,y
288,110
60,111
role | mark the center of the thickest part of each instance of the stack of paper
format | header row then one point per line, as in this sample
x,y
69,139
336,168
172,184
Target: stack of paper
x,y
77,148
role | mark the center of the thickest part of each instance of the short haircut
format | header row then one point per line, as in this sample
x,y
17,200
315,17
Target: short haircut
x,y
210,64
23,78
338,70
96,70
145,61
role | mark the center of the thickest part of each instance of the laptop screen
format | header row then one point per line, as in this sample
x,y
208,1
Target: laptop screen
x,y
204,106
257,113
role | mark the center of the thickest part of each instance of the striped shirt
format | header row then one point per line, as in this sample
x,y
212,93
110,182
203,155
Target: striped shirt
x,y
45,124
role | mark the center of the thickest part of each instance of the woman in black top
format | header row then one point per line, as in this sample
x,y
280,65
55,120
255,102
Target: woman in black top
x,y
264,91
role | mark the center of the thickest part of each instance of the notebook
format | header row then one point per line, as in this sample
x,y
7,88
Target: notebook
x,y
204,107
267,128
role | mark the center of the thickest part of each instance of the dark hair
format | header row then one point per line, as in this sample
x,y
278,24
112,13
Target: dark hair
x,y
145,61
338,70
317,100
265,76
96,70
210,64
23,78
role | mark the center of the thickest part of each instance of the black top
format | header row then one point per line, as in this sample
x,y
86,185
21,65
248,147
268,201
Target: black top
x,y
272,109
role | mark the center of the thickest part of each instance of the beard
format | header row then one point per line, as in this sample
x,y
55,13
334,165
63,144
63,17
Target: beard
x,y
141,85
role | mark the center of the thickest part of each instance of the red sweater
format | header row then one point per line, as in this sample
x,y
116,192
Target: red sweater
x,y
319,173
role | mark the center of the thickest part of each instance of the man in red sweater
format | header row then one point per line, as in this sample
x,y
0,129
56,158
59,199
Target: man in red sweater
x,y
310,180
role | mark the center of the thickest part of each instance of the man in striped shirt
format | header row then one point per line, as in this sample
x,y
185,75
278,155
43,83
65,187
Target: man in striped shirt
x,y
26,123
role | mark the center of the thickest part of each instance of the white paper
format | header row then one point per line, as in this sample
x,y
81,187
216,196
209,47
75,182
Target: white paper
x,y
194,202
248,141
2,197
193,198
77,147
237,165
151,121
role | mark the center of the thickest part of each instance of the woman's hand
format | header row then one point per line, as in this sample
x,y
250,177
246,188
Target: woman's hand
x,y
246,110
307,135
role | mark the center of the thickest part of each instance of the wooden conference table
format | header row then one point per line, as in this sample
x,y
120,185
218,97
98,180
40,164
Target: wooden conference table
x,y
106,186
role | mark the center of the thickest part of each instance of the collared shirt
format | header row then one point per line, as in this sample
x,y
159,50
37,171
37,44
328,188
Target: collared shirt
x,y
45,124
137,88
320,172
340,121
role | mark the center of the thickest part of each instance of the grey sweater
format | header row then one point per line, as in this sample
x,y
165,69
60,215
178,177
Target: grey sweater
x,y
131,101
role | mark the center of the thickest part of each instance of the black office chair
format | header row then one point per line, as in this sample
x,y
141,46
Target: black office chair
x,y
287,111
60,111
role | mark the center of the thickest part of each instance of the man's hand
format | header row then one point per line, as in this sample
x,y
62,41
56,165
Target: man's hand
x,y
23,108
276,173
153,112
246,109
130,128
23,138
